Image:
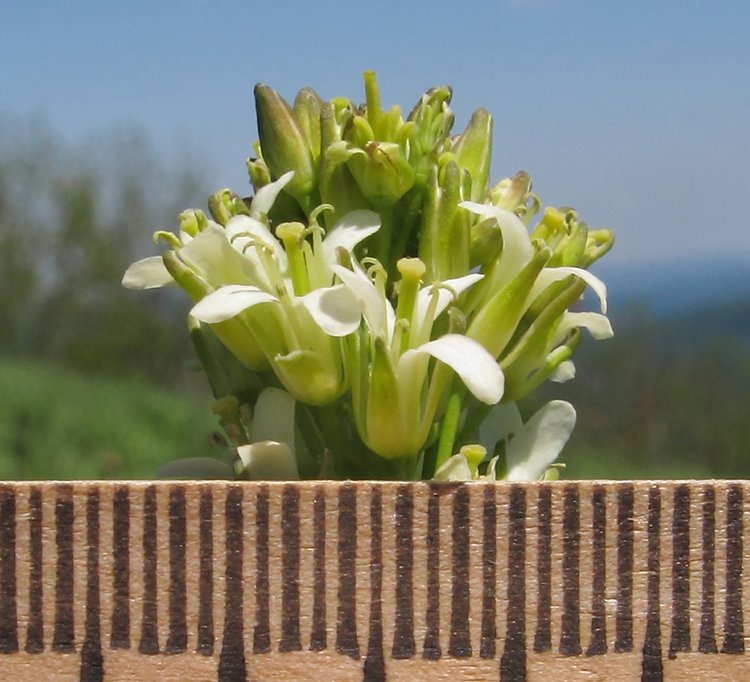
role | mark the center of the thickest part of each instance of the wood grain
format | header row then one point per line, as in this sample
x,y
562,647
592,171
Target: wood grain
x,y
378,582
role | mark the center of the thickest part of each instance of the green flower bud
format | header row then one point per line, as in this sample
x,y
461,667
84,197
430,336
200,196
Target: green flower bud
x,y
260,176
445,229
598,242
486,243
225,204
511,193
473,152
382,172
307,107
192,221
337,184
284,145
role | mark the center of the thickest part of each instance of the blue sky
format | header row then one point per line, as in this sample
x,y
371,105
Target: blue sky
x,y
637,114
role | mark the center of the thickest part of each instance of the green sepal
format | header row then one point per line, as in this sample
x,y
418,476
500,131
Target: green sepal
x,y
385,433
494,323
473,152
307,107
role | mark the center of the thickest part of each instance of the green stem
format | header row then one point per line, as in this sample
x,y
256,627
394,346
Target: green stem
x,y
384,236
448,429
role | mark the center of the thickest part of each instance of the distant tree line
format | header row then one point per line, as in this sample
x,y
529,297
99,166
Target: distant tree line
x,y
71,221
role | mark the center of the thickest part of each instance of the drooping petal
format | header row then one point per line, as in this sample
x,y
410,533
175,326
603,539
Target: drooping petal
x,y
348,232
476,367
537,445
456,468
269,461
149,273
445,296
228,301
517,247
369,299
266,196
335,309
598,325
550,275
273,417
565,371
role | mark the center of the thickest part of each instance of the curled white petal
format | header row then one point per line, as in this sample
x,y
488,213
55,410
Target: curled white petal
x,y
367,294
550,275
598,325
445,295
469,359
149,273
517,247
537,445
269,461
273,417
266,195
336,309
565,371
228,301
349,231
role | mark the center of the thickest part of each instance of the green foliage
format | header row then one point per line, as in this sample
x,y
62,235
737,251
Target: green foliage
x,y
71,221
58,424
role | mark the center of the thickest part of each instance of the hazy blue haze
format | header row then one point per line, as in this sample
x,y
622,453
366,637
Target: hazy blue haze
x,y
637,113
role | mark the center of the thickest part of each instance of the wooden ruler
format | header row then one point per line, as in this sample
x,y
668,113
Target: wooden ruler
x,y
376,582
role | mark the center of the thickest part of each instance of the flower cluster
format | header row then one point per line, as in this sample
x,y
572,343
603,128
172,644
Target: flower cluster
x,y
377,306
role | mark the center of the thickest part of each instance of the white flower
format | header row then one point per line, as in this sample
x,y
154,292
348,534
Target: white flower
x,y
395,390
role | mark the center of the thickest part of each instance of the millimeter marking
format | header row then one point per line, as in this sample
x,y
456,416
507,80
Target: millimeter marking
x,y
644,578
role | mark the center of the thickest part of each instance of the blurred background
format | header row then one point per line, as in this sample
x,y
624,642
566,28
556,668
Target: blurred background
x,y
116,116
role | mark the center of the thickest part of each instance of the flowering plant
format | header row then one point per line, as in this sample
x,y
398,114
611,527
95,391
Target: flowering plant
x,y
377,308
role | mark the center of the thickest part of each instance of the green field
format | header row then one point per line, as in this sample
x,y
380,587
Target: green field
x,y
58,424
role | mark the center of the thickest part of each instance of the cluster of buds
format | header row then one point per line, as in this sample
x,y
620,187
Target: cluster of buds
x,y
379,279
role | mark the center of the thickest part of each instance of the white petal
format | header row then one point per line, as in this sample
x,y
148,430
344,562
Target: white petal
x,y
476,367
369,299
537,446
349,231
456,468
266,195
502,422
491,474
273,417
445,297
228,301
517,247
565,371
149,273
598,325
335,309
269,461
211,255
240,231
550,275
